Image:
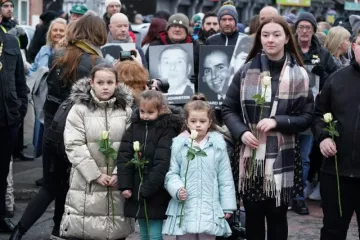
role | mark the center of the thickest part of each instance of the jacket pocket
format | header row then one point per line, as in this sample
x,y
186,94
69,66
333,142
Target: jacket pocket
x,y
11,58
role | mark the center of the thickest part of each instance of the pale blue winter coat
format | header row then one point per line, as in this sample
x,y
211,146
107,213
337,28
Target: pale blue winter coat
x,y
210,188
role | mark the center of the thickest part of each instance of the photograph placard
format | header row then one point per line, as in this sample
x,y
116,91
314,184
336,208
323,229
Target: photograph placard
x,y
214,72
111,51
173,63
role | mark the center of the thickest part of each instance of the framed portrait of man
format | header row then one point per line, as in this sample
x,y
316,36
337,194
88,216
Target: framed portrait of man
x,y
173,63
214,72
111,51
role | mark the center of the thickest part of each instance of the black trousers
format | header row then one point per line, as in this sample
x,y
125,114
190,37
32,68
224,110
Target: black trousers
x,y
8,139
55,186
334,226
256,212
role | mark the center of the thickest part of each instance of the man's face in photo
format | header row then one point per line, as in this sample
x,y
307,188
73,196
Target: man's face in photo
x,y
216,73
174,66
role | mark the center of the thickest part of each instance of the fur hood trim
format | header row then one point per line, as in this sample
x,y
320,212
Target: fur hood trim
x,y
81,93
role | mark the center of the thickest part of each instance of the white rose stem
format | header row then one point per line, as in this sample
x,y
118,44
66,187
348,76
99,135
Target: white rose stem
x,y
186,172
337,172
257,135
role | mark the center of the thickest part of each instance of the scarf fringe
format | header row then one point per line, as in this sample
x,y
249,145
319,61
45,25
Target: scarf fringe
x,y
248,181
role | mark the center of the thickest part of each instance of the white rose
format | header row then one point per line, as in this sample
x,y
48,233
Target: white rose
x,y
105,135
266,80
136,146
193,134
328,117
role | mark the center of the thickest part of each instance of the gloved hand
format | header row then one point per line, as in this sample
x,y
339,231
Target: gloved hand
x,y
318,70
17,31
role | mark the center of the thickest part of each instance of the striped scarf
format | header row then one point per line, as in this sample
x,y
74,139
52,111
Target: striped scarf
x,y
274,161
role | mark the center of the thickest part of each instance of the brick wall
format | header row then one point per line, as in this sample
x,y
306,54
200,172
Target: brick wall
x,y
35,7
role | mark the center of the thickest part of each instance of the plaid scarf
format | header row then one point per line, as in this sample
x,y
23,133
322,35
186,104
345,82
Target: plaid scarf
x,y
274,161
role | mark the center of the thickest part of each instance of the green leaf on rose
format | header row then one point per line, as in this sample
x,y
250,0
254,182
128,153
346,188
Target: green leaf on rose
x,y
190,155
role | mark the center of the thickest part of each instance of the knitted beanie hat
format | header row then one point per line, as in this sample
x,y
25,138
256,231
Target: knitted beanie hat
x,y
5,1
179,19
305,16
228,8
108,2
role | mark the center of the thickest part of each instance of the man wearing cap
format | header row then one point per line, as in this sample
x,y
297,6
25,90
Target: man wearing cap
x,y
228,19
77,11
319,64
7,11
112,7
177,33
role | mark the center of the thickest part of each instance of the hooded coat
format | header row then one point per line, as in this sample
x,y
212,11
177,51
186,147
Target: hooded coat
x,y
155,137
88,210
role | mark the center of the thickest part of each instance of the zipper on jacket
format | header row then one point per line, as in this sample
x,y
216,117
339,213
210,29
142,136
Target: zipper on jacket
x,y
227,41
146,135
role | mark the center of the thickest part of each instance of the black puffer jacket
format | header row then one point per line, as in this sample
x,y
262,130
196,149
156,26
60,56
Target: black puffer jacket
x,y
222,39
327,65
340,96
155,137
57,92
13,89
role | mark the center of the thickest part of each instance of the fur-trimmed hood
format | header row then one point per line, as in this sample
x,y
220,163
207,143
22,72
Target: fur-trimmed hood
x,y
175,119
81,93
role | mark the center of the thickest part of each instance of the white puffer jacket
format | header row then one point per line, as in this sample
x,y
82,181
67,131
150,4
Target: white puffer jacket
x,y
88,211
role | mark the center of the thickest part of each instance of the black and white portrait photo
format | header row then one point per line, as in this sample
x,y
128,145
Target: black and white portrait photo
x,y
173,63
214,72
111,51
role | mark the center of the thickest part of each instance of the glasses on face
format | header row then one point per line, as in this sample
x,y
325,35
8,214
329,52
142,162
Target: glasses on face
x,y
306,28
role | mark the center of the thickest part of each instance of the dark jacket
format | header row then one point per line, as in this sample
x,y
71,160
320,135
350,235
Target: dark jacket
x,y
8,24
13,88
57,92
39,38
291,123
222,39
340,96
155,138
327,64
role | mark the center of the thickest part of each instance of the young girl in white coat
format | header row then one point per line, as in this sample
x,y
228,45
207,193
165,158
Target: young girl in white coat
x,y
209,195
101,104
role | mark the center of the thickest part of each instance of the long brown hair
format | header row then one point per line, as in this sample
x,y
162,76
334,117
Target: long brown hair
x,y
89,28
157,25
290,47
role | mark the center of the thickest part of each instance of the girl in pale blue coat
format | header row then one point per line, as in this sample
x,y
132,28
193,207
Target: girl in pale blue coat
x,y
209,197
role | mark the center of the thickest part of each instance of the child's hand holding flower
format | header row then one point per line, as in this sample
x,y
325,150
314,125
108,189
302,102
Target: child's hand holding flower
x,y
182,194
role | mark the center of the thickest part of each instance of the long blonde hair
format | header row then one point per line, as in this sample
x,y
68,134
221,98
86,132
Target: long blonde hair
x,y
48,34
336,36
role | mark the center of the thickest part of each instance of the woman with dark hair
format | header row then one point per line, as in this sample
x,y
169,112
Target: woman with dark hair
x,y
70,64
266,129
157,25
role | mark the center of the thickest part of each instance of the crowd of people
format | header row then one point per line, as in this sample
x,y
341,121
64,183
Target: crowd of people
x,y
115,152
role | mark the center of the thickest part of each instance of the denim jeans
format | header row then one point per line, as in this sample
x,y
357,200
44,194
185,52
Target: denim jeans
x,y
305,143
155,229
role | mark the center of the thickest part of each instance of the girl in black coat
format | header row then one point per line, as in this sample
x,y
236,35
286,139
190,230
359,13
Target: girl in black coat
x,y
153,126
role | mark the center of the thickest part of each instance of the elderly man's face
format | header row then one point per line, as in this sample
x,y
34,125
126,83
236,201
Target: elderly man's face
x,y
174,66
177,33
305,31
119,29
216,71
